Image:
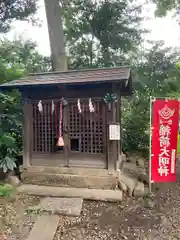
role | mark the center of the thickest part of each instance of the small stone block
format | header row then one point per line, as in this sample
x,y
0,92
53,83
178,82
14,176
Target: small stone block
x,y
62,206
44,228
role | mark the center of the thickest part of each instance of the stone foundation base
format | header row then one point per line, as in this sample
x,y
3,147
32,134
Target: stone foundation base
x,y
80,178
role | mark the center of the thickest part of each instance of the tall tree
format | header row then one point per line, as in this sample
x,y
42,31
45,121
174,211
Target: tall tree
x,y
11,10
56,35
107,30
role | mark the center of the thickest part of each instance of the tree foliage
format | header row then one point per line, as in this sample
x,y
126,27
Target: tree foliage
x,y
10,130
155,75
23,55
10,120
164,6
11,10
107,30
17,59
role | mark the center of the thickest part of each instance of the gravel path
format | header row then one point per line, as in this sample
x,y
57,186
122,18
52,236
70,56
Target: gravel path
x,y
109,221
129,220
15,224
99,220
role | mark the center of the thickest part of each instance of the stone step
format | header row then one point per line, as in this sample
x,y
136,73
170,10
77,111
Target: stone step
x,y
60,206
68,180
85,193
44,228
69,171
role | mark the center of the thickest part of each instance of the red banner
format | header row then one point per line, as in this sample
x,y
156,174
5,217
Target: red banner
x,y
165,121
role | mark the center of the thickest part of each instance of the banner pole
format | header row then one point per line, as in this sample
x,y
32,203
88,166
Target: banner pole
x,y
150,145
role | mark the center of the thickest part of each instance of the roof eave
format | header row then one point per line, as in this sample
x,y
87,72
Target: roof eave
x,y
17,86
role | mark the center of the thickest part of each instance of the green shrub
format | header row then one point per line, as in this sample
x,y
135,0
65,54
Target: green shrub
x,y
6,190
10,130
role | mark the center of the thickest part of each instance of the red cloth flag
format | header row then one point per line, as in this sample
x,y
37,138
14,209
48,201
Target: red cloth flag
x,y
165,121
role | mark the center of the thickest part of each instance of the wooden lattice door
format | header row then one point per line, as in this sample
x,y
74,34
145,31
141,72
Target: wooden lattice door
x,y
85,134
45,127
88,128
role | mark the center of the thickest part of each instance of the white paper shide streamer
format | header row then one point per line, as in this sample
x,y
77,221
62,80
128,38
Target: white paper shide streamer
x,y
52,107
40,106
79,106
91,107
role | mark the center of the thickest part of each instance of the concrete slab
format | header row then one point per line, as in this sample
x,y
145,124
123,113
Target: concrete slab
x,y
62,206
44,228
85,193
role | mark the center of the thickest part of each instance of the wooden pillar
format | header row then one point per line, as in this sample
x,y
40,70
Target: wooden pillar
x,y
66,136
112,145
27,135
119,143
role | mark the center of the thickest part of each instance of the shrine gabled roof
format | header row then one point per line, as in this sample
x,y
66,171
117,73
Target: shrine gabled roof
x,y
73,77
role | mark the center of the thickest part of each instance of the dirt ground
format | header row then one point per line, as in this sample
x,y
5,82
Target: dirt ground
x,y
131,219
15,224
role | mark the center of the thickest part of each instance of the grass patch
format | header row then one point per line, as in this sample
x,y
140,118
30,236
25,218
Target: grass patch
x,y
33,211
6,190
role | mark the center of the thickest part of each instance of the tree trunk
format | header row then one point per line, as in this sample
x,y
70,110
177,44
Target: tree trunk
x,y
56,35
106,55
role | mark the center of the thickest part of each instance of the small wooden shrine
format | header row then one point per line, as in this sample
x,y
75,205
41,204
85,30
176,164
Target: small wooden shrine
x,y
72,119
